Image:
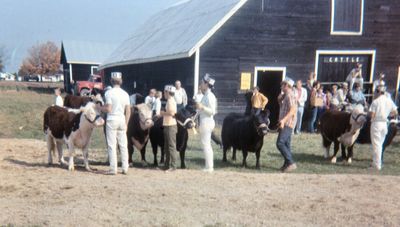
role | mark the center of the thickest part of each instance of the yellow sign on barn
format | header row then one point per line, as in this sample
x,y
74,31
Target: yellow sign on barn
x,y
245,81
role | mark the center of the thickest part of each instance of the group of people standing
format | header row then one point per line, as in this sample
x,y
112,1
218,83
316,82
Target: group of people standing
x,y
117,107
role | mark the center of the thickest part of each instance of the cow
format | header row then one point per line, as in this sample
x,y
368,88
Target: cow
x,y
138,131
343,128
72,101
73,127
185,119
245,133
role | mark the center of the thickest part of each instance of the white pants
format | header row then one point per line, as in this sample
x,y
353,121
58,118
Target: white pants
x,y
378,134
206,127
116,133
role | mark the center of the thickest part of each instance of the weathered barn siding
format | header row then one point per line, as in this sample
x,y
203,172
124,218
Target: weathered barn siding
x,y
155,75
287,33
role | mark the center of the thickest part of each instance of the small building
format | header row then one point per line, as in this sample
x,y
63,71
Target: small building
x,y
244,43
80,59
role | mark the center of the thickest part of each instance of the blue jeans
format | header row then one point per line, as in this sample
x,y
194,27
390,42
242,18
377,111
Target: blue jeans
x,y
300,112
283,144
314,114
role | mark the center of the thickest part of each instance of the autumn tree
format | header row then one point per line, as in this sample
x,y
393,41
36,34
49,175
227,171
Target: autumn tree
x,y
43,59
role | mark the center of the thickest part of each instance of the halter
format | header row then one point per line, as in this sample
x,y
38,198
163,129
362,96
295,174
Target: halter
x,y
190,119
358,116
95,119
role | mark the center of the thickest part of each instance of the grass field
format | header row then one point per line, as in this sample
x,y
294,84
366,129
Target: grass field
x,y
21,116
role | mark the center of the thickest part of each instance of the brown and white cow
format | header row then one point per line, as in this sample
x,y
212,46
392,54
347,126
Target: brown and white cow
x,y
341,128
138,131
73,127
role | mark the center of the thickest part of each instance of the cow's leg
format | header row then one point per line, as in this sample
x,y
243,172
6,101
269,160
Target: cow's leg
x,y
224,150
143,155
327,145
85,152
50,148
60,153
154,147
335,151
130,151
350,154
244,164
258,151
234,154
71,166
343,148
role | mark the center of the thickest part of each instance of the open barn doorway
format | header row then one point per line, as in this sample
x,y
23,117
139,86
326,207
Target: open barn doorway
x,y
269,79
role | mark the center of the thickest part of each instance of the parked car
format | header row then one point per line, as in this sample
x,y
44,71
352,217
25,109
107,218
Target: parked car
x,y
84,88
36,78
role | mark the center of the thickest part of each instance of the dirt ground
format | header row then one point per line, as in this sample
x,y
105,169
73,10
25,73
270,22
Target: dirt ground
x,y
31,193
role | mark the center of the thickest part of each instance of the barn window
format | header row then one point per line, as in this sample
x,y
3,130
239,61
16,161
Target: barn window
x,y
347,17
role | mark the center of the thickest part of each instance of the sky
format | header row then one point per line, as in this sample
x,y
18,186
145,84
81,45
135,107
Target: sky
x,y
25,23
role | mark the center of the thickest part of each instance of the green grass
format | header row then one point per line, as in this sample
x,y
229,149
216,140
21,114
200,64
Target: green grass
x,y
25,109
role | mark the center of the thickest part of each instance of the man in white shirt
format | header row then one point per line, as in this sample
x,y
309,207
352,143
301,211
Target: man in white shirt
x,y
301,97
180,96
59,100
118,111
150,99
380,110
378,82
355,76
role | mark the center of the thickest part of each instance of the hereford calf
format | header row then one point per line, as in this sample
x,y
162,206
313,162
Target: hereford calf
x,y
73,127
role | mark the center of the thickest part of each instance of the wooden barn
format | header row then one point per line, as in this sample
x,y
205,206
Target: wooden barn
x,y
80,59
244,43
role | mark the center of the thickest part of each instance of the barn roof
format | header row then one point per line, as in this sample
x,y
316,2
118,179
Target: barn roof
x,y
83,52
176,32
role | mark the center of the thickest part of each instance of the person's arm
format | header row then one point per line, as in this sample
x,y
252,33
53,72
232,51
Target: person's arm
x,y
211,109
107,108
127,113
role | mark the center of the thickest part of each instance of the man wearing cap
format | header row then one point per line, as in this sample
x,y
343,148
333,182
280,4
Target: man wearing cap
x,y
378,82
118,111
287,122
355,76
380,110
180,96
170,128
207,109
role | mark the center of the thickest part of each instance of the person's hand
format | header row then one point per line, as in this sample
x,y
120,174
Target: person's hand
x,y
199,106
281,124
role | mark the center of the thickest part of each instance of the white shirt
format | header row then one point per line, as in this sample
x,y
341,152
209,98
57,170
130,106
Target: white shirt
x,y
209,103
303,96
59,101
157,106
118,99
150,101
180,96
382,107
132,99
197,98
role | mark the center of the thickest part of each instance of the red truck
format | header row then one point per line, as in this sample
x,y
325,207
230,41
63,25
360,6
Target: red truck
x,y
83,88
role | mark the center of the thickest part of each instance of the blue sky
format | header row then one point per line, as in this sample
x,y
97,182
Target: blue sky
x,y
25,23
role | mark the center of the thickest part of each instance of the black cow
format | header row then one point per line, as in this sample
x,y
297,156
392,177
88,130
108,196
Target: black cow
x,y
185,118
244,133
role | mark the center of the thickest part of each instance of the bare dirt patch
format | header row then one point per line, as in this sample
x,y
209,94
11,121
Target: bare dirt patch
x,y
31,193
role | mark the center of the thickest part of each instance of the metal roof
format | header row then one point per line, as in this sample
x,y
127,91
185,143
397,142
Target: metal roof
x,y
84,52
176,32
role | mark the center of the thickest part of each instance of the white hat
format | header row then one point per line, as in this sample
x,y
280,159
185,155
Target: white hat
x,y
345,84
207,78
289,81
116,75
170,88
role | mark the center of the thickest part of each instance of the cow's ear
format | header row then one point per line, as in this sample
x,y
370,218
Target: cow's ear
x,y
134,108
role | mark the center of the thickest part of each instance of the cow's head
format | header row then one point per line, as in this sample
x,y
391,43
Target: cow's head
x,y
261,122
145,115
97,98
186,116
357,120
91,113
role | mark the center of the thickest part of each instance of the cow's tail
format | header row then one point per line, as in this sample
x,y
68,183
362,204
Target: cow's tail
x,y
46,121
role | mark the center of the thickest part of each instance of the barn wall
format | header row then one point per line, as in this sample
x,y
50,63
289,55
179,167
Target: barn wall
x,y
287,33
155,75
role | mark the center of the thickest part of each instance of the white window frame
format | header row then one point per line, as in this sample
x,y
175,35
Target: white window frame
x,y
396,97
267,68
346,52
333,32
92,69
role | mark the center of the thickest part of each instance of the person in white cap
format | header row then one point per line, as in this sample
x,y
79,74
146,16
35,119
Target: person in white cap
x,y
378,82
170,128
118,111
381,108
207,109
287,122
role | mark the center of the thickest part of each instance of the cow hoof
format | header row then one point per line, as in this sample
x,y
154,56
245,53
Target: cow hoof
x,y
71,168
349,161
89,169
333,160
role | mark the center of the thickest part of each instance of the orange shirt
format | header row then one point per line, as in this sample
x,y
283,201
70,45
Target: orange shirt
x,y
259,101
170,109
